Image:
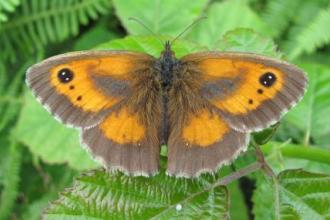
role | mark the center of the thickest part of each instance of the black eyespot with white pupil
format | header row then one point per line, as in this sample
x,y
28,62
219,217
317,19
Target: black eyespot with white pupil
x,y
267,79
65,75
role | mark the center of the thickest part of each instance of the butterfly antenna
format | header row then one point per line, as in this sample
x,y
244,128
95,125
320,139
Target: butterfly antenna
x,y
147,28
188,27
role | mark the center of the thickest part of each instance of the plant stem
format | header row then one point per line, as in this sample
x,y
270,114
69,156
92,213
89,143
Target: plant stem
x,y
301,152
277,198
268,170
238,174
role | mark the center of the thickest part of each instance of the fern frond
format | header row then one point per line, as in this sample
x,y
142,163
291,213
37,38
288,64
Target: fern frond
x,y
7,6
278,14
311,35
11,180
37,23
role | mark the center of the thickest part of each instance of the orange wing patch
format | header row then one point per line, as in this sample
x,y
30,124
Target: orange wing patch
x,y
123,127
81,91
204,129
250,92
218,68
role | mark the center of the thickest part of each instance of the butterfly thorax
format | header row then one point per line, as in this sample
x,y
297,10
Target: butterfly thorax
x,y
167,62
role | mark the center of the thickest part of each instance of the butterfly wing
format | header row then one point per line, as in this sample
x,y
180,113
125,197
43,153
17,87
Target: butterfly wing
x,y
79,88
250,91
218,99
108,95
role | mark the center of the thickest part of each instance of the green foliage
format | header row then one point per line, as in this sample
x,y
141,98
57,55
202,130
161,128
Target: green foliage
x,y
263,198
282,156
305,23
7,6
308,116
37,23
300,195
49,140
9,102
39,156
246,40
278,14
312,36
160,16
11,168
100,195
208,33
237,202
148,45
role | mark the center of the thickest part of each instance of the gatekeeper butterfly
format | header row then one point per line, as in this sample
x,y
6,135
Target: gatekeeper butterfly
x,y
203,106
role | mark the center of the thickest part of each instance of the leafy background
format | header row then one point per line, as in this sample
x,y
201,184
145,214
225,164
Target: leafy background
x,y
43,169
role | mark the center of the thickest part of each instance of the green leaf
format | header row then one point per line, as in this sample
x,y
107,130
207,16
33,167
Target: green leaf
x,y
247,40
309,115
100,195
263,199
49,139
237,202
223,17
301,195
262,137
34,209
160,16
148,44
94,37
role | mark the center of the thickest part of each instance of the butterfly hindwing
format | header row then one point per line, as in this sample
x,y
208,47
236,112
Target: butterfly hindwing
x,y
200,139
79,88
124,141
250,91
202,144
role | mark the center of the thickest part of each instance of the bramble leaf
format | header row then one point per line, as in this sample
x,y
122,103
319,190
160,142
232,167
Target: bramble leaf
x,y
300,195
100,195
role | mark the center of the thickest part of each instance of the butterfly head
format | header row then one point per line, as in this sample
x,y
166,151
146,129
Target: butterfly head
x,y
166,63
167,54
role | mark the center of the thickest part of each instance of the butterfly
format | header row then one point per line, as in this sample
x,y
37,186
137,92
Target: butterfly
x,y
203,106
